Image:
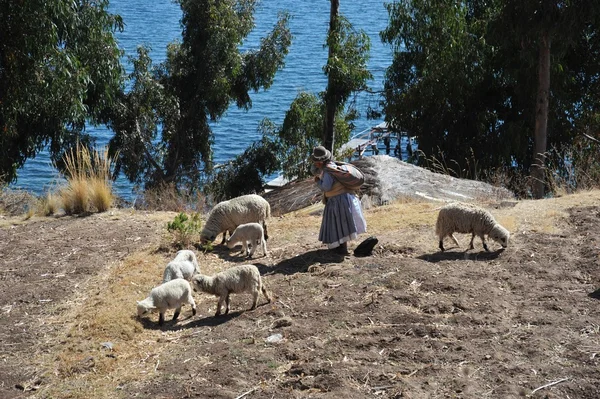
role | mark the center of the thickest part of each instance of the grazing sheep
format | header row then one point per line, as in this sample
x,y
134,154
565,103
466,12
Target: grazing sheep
x,y
468,218
237,279
248,233
170,295
227,215
185,265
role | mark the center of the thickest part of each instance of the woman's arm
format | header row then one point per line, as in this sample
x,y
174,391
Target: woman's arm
x,y
325,183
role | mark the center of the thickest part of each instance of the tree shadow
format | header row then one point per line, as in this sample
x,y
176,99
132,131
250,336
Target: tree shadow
x,y
300,263
460,255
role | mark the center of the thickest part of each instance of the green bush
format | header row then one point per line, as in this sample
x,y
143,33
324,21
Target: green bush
x,y
185,229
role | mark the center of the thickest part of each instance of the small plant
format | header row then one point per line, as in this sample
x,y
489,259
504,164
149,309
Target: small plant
x,y
185,228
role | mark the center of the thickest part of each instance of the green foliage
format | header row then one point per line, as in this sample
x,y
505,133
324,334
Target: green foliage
x,y
244,175
59,68
346,68
346,72
162,125
185,229
288,147
464,79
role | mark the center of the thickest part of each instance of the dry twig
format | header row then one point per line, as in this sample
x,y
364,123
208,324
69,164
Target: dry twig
x,y
550,384
247,393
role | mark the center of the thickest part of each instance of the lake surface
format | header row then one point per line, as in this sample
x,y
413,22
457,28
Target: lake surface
x,y
157,23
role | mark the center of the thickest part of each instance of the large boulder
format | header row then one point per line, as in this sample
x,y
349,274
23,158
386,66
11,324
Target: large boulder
x,y
387,179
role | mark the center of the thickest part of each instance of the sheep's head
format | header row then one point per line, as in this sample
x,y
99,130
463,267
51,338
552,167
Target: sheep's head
x,y
500,235
200,283
143,308
207,239
230,243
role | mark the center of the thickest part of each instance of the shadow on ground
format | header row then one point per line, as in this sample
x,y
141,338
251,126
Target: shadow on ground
x,y
460,255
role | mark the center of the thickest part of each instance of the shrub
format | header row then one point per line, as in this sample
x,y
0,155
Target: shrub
x,y
168,197
89,174
185,229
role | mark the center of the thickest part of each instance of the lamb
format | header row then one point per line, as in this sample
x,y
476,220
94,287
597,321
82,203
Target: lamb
x,y
170,295
237,279
248,233
227,215
185,265
468,218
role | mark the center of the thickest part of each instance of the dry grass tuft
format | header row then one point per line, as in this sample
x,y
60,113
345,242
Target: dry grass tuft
x,y
88,173
101,195
168,197
48,205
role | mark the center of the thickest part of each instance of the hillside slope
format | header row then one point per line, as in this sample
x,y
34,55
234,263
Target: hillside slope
x,y
408,321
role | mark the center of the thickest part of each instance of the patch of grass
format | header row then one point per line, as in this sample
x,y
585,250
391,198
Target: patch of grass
x,y
48,205
406,213
103,340
101,195
74,197
88,174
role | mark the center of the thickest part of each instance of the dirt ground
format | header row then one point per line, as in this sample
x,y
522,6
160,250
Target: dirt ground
x,y
406,322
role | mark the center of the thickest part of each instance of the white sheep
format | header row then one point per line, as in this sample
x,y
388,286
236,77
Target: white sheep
x,y
248,233
227,215
468,218
170,295
235,280
184,265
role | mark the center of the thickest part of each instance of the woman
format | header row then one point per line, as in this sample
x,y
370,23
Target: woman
x,y
342,220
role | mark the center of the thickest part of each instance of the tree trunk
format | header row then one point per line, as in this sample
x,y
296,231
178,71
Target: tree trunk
x,y
330,100
541,117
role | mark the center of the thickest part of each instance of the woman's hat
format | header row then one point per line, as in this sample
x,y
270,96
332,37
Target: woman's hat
x,y
320,154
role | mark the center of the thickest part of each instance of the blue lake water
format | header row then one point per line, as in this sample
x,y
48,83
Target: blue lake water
x,y
157,22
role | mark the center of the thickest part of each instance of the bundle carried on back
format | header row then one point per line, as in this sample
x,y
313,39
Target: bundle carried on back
x,y
346,173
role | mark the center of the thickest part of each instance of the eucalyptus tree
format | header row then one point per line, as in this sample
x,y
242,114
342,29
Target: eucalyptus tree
x,y
326,117
59,68
438,87
162,126
555,40
472,80
312,118
346,69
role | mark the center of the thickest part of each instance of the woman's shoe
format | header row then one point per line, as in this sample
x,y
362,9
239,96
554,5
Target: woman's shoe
x,y
342,249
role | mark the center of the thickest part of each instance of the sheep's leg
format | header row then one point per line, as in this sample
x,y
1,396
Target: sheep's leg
x,y
161,318
177,312
471,246
245,248
441,244
193,303
264,223
252,250
227,304
264,246
484,244
219,305
254,298
266,293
